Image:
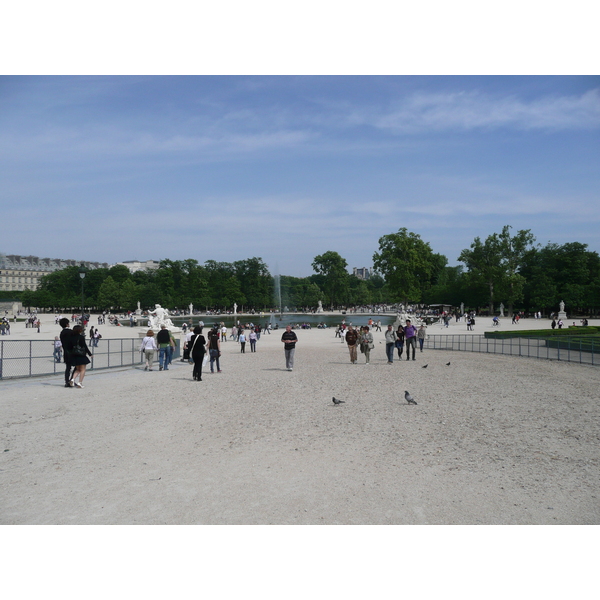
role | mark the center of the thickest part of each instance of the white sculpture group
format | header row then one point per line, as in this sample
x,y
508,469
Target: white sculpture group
x,y
160,316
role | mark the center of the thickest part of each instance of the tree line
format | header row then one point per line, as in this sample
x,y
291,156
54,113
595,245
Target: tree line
x,y
503,268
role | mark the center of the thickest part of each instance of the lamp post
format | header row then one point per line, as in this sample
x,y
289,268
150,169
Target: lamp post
x,y
82,272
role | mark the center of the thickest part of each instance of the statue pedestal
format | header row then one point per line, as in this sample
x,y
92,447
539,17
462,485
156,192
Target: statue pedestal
x,y
562,315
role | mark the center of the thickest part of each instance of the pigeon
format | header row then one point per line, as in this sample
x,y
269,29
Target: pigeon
x,y
425,366
409,398
337,402
447,364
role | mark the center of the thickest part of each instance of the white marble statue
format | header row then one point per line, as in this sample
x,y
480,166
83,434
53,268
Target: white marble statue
x,y
320,307
160,316
501,309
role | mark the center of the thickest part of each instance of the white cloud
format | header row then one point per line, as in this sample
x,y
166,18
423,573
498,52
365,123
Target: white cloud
x,y
473,110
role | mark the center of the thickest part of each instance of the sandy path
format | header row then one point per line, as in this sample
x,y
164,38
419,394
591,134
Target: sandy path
x,y
493,440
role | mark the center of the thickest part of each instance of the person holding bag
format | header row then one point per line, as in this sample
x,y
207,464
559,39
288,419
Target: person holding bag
x,y
197,346
79,355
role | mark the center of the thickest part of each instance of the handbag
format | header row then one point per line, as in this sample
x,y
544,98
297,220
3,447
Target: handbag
x,y
190,359
77,350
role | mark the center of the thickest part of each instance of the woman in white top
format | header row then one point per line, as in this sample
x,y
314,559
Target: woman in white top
x,y
149,347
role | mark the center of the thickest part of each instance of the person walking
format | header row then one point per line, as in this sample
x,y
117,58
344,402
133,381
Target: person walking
x,y
253,338
390,342
242,339
149,347
421,333
163,339
214,349
65,340
79,355
352,341
171,348
197,352
289,339
400,341
410,334
366,344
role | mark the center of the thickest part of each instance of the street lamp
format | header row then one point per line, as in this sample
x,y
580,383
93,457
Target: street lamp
x,y
82,272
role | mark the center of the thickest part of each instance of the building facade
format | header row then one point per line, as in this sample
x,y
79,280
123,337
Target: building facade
x,y
362,273
18,273
138,265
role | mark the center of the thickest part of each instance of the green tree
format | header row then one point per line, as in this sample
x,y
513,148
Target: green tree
x,y
484,263
408,265
129,294
109,295
333,268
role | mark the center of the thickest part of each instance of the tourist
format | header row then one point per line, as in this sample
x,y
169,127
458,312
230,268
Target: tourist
x,y
224,333
79,356
253,338
197,350
421,333
65,339
149,347
366,343
289,339
553,325
163,340
186,345
410,334
242,340
352,340
214,349
390,342
400,340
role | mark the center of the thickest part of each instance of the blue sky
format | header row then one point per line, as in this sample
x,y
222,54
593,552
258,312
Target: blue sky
x,y
113,168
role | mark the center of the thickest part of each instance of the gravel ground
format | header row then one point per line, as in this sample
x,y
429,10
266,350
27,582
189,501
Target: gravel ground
x,y
493,440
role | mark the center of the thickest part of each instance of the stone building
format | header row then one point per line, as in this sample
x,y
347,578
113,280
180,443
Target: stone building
x,y
362,273
19,273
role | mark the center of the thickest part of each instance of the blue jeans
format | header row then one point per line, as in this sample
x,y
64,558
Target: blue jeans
x,y
389,350
163,358
214,356
170,355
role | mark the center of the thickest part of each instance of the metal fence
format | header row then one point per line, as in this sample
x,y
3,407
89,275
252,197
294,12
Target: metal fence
x,y
564,348
30,358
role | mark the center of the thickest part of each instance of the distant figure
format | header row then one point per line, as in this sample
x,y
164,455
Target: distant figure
x,y
197,350
400,340
390,342
421,333
253,337
410,334
352,340
366,344
214,349
289,339
242,340
553,325
57,349
495,322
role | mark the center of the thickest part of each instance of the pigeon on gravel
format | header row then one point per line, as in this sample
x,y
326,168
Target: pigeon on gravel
x,y
337,402
425,366
447,364
409,398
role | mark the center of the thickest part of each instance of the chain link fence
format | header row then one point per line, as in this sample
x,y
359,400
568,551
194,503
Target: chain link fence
x,y
31,358
567,349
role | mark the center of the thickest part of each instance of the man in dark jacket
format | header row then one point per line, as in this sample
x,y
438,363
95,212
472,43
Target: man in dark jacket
x,y
351,340
66,337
